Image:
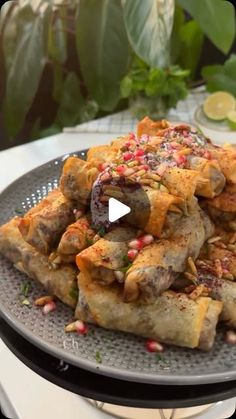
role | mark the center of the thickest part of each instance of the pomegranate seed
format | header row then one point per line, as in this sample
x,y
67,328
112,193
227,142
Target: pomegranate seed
x,y
128,156
120,276
49,307
136,244
103,166
127,144
207,155
147,239
132,253
180,158
81,327
139,153
132,136
230,337
153,346
120,169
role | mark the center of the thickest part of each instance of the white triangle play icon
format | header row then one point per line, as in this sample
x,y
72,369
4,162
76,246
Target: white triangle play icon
x,y
116,210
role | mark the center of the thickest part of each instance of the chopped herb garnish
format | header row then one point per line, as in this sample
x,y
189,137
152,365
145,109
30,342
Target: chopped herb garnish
x,y
26,303
160,358
74,293
126,268
126,260
101,231
25,289
89,241
98,357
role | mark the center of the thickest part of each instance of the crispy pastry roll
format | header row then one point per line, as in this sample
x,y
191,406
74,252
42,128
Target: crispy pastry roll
x,y
224,291
102,154
212,180
150,127
77,237
226,158
44,224
60,282
222,209
181,182
152,214
109,254
157,265
77,179
172,318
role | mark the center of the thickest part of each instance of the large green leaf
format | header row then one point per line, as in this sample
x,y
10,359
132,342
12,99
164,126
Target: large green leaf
x,y
71,102
103,49
191,37
216,18
149,25
221,77
25,66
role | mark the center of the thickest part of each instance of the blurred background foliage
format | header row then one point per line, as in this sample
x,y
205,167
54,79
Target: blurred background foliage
x,y
63,62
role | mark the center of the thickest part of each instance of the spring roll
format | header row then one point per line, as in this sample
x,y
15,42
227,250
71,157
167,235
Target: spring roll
x,y
157,265
108,255
102,154
172,318
77,237
181,182
151,213
44,224
224,291
227,162
149,127
222,209
61,282
77,179
208,333
212,180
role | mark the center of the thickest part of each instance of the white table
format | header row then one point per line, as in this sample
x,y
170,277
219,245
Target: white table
x,y
29,394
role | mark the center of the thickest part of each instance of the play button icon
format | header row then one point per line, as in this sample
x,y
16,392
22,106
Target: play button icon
x,y
117,210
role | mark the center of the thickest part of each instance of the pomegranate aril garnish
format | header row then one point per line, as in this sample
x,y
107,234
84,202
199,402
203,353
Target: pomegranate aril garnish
x,y
230,337
139,153
81,327
120,169
132,254
147,239
153,346
136,244
127,155
49,307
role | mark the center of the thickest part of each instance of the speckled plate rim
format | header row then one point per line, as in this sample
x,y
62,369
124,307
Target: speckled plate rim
x,y
118,373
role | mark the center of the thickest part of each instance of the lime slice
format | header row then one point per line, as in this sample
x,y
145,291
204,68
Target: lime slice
x,y
231,119
218,105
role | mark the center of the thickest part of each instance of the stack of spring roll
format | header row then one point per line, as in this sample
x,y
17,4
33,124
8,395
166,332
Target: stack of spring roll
x,y
171,278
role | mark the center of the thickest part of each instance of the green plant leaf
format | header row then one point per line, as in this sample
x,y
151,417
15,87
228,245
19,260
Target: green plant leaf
x,y
191,37
149,25
175,43
57,41
221,77
71,102
103,49
216,18
25,67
